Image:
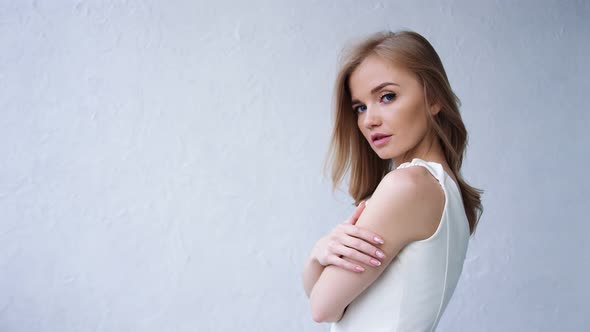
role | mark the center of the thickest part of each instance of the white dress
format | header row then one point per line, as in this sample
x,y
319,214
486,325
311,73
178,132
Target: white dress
x,y
414,290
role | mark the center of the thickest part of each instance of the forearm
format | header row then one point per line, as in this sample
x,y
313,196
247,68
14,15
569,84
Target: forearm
x,y
311,273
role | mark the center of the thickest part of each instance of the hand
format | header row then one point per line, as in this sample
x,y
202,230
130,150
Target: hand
x,y
348,240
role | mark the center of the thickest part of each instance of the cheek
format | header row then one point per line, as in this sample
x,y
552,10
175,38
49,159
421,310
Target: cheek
x,y
398,118
410,116
417,124
359,126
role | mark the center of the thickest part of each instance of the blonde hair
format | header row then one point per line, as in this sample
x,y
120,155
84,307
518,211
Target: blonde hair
x,y
348,148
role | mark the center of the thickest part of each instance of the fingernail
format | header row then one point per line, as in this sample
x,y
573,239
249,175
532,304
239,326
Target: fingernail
x,y
380,254
378,239
359,268
375,262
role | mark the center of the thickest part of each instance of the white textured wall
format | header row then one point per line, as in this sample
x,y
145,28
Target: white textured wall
x,y
161,161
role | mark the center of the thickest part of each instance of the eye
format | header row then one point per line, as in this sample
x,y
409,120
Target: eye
x,y
388,95
357,109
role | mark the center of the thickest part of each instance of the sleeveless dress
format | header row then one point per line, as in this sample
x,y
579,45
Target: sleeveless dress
x,y
414,290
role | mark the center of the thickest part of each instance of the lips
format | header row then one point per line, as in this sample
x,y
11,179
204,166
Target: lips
x,y
378,136
381,140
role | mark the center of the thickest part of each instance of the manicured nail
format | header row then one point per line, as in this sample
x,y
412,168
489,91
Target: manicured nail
x,y
359,268
378,239
375,262
380,254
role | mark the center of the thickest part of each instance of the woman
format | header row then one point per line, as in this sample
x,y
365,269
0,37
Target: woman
x,y
394,265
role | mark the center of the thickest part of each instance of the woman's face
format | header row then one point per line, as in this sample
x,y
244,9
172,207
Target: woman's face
x,y
389,101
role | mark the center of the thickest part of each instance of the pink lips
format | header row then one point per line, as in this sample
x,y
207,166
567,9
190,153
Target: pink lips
x,y
382,141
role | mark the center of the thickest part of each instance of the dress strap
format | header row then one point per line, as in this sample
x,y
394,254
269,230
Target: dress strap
x,y
434,168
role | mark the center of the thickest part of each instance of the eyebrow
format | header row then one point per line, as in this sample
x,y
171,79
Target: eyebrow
x,y
375,89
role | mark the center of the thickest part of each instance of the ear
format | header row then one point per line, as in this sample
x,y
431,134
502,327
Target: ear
x,y
434,109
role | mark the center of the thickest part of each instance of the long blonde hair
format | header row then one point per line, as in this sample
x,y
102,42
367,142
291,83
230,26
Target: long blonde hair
x,y
348,148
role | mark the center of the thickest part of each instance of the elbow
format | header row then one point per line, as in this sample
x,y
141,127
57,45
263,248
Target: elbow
x,y
318,316
321,313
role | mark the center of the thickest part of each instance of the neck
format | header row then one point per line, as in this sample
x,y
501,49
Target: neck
x,y
428,149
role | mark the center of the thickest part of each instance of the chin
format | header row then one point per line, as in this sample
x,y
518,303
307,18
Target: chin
x,y
384,155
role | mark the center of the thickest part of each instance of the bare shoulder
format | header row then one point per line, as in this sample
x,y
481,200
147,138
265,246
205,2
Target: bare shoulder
x,y
415,190
412,178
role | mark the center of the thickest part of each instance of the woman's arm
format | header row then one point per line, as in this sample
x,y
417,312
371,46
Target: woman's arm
x,y
401,211
311,273
344,241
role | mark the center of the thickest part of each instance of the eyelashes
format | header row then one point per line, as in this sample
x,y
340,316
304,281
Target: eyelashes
x,y
356,109
390,96
393,95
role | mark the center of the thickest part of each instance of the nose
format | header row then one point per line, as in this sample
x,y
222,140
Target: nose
x,y
371,118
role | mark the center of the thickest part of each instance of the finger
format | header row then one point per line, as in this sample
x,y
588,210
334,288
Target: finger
x,y
365,250
357,213
362,233
356,255
337,261
359,209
